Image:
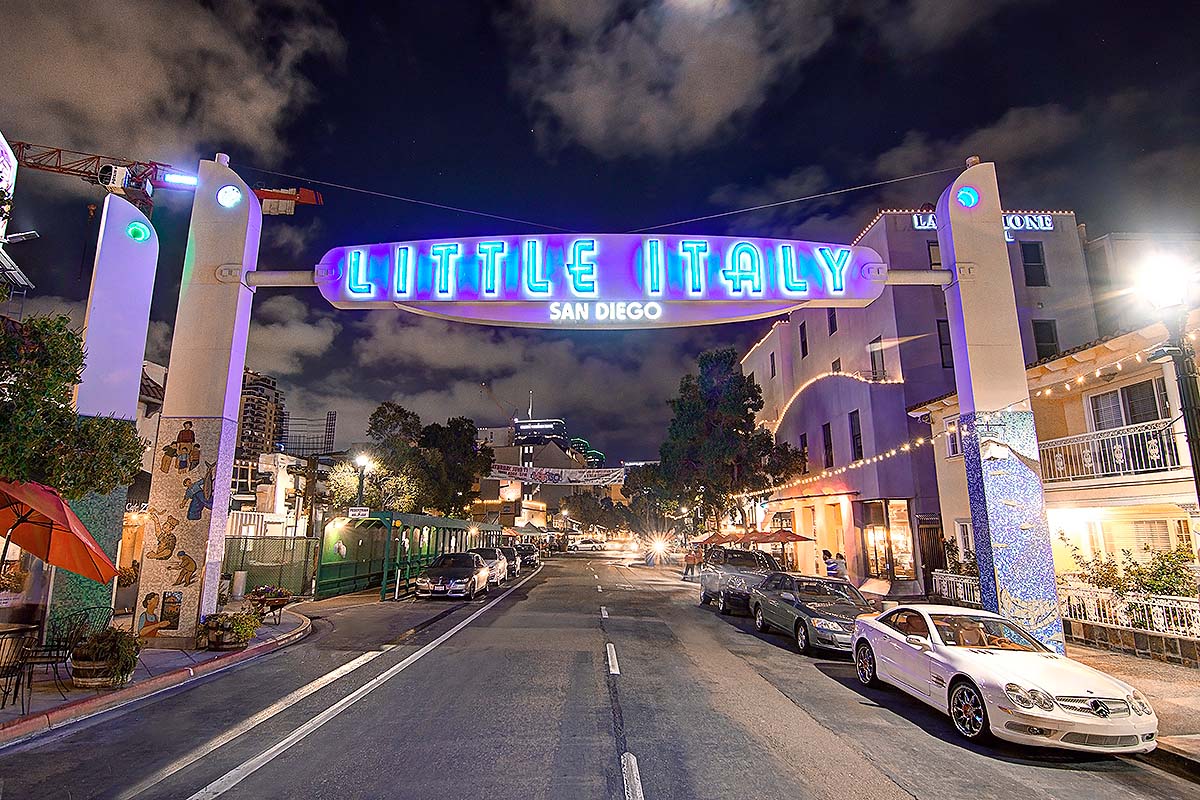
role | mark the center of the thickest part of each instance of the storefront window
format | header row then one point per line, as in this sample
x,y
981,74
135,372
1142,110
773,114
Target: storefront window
x,y
888,540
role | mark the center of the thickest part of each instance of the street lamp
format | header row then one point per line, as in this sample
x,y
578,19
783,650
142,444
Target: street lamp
x,y
1169,286
364,463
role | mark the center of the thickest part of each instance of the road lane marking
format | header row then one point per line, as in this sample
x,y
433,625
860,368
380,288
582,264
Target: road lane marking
x,y
251,722
603,612
240,773
633,780
598,589
613,667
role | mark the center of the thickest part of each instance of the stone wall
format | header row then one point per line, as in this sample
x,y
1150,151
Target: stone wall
x,y
1143,644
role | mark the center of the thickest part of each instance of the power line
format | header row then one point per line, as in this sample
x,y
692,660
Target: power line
x,y
402,198
796,199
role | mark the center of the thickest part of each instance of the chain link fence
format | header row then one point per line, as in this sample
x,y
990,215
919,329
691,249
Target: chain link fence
x,y
287,561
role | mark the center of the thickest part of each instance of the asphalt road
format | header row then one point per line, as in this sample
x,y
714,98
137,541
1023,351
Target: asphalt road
x,y
518,695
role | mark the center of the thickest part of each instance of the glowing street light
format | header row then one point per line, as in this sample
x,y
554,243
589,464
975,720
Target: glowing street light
x,y
365,465
1168,283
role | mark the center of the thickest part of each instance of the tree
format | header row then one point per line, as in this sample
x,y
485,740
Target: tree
x,y
652,501
461,461
395,431
714,455
382,488
42,439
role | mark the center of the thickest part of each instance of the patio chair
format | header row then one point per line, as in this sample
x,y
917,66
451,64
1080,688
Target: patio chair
x,y
61,638
14,653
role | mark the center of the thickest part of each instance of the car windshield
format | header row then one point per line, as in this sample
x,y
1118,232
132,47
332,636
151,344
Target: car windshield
x,y
508,551
454,560
487,552
964,630
829,592
736,558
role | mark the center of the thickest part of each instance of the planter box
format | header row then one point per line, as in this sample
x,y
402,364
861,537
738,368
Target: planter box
x,y
95,675
224,640
1143,644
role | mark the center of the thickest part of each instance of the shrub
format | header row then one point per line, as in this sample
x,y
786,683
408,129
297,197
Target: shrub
x,y
119,648
241,625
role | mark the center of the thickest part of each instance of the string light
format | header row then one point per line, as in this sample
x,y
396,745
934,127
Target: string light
x,y
774,424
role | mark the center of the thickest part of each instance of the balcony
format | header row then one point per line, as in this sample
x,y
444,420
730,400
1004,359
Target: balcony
x,y
1147,447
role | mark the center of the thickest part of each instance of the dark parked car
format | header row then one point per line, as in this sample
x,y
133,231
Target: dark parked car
x,y
516,564
529,555
818,612
454,575
728,575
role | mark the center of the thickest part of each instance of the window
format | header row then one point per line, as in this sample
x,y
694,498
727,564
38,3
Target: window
x,y
1145,401
836,366
1033,258
947,350
773,583
803,446
888,541
856,446
803,340
1045,338
963,537
935,255
875,348
953,437
772,365
831,316
827,443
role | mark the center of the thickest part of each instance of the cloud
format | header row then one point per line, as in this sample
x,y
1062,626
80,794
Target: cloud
x,y
923,25
285,334
150,81
158,342
289,241
46,305
657,76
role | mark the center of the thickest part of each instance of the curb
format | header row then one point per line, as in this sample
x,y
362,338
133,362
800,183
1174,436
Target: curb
x,y
32,725
1173,759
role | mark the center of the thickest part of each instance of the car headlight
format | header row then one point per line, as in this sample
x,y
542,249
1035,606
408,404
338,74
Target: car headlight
x,y
1018,695
1042,700
1138,702
459,582
422,579
826,624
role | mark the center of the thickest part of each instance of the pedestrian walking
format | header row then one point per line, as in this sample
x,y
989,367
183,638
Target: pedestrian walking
x,y
690,559
843,567
831,564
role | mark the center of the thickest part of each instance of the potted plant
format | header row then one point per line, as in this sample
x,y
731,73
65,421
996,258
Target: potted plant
x,y
269,599
105,660
231,631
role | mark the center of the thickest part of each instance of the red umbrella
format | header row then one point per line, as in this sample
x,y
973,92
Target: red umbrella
x,y
782,536
39,521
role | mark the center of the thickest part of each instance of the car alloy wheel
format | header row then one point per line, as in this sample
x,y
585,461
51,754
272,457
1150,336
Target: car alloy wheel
x,y
802,642
704,598
471,591
864,665
967,710
760,622
723,604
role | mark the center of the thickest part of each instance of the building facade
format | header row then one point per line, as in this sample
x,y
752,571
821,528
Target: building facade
x,y
1112,451
838,383
1116,261
260,415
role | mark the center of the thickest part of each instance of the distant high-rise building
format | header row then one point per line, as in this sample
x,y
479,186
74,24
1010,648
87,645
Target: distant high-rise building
x,y
260,417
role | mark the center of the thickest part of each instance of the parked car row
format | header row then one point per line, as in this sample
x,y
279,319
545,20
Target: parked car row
x,y
476,571
987,673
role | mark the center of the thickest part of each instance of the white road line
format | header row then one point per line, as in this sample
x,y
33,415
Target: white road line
x,y
613,667
244,726
603,612
633,780
598,589
240,773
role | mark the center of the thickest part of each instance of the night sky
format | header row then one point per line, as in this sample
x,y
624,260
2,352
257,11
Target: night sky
x,y
592,115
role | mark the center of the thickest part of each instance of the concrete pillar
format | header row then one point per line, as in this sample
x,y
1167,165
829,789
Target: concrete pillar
x,y
197,432
1004,482
114,338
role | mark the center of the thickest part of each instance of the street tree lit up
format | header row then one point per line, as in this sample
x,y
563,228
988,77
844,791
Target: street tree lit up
x,y
616,399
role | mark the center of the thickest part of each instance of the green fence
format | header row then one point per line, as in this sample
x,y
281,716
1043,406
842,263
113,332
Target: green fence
x,y
287,561
389,550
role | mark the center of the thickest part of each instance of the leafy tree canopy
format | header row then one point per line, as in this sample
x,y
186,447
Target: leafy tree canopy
x,y
42,439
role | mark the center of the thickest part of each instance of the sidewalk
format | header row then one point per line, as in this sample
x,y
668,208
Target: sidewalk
x,y
1174,691
157,670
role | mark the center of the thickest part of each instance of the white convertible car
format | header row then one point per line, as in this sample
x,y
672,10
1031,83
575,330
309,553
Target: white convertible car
x,y
992,677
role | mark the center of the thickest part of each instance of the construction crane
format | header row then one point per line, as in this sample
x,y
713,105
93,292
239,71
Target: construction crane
x,y
137,181
485,388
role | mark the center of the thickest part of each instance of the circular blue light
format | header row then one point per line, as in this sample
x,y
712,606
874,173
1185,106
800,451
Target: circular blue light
x,y
229,196
967,197
138,231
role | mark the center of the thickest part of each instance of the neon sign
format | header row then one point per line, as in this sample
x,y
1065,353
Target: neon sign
x,y
1012,222
600,280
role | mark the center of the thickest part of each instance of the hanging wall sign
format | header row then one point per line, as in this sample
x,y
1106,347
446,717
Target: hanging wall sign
x,y
611,476
600,280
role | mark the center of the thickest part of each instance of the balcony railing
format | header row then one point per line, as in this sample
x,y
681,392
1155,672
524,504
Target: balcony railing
x,y
958,589
1131,450
1173,616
